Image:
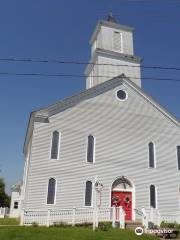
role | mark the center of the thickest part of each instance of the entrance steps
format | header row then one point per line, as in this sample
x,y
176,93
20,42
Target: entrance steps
x,y
133,224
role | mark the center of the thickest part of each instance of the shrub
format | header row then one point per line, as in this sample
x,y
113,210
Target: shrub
x,y
150,225
168,224
60,224
34,224
177,226
85,224
105,226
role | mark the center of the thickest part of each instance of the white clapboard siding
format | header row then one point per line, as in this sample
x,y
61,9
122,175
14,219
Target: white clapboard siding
x,y
122,131
133,73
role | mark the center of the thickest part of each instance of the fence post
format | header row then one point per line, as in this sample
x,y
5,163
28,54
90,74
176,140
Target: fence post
x,y
4,212
22,217
48,217
113,216
152,215
73,216
94,218
97,216
178,218
158,218
121,217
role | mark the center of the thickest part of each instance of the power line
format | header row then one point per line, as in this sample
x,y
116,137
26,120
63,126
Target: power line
x,y
82,76
169,14
136,1
84,63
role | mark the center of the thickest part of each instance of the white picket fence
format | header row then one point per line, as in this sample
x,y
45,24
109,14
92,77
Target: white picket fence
x,y
74,216
171,217
94,215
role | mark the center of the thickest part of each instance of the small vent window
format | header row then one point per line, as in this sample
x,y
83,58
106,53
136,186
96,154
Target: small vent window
x,y
88,194
122,95
117,41
16,205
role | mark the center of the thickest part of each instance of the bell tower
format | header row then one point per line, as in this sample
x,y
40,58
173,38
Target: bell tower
x,y
112,53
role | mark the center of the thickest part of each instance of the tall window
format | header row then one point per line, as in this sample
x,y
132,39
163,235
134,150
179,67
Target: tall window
x,y
90,149
55,145
151,155
88,194
178,156
152,196
51,191
117,41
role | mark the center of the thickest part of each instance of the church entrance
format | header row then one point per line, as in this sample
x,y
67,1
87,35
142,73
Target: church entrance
x,y
122,195
123,199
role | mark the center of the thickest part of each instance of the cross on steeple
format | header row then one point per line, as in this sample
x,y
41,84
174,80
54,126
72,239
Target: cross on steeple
x,y
111,18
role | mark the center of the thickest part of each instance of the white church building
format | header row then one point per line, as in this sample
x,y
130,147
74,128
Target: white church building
x,y
112,133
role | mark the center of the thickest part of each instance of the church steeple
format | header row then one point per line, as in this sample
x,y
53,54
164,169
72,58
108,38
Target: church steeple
x,y
112,45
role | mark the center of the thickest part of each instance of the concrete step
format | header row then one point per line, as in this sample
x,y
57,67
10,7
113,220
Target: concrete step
x,y
133,224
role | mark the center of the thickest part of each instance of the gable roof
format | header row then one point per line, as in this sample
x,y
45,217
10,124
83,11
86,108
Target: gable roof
x,y
42,115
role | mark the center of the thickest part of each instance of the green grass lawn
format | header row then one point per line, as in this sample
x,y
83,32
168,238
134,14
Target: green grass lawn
x,y
9,221
67,233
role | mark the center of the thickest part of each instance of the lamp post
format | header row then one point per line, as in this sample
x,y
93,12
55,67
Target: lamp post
x,y
98,187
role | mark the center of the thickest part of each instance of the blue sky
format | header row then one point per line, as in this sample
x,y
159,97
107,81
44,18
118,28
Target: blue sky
x,y
61,29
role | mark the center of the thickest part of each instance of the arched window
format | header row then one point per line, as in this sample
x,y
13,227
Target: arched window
x,y
51,191
88,194
152,196
151,155
90,149
55,145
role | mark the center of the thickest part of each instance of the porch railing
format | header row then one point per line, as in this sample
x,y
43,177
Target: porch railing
x,y
152,215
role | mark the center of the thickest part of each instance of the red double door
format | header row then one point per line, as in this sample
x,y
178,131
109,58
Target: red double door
x,y
123,199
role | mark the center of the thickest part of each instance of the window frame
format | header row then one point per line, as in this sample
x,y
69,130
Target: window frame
x,y
58,154
156,202
154,155
15,204
92,194
47,188
87,142
121,100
